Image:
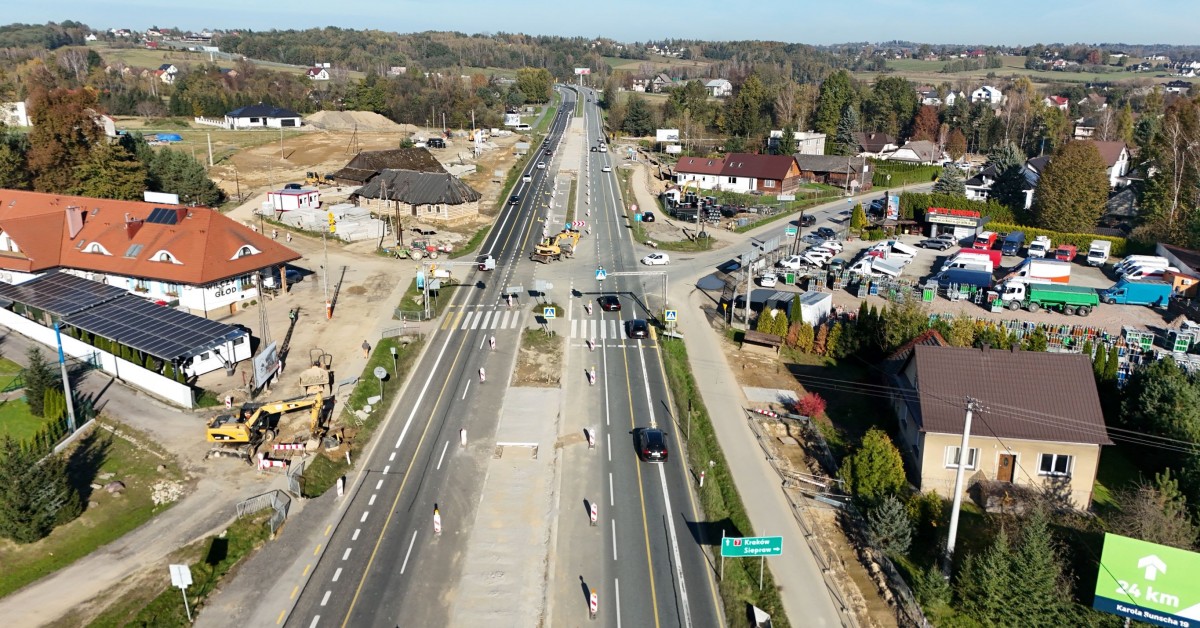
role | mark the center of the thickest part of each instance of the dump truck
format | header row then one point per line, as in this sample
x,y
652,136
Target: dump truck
x,y
1037,296
240,433
563,244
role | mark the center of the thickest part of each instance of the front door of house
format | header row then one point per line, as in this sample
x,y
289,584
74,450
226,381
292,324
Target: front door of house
x,y
1007,462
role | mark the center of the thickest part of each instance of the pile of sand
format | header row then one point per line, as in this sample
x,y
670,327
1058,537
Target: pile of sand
x,y
365,121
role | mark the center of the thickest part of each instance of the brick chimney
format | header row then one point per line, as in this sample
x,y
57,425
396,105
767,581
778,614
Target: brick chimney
x,y
132,226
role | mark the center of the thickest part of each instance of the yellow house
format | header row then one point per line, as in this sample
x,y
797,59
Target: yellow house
x,y
1037,424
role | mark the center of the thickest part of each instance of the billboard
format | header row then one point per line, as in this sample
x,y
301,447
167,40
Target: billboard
x,y
893,207
579,71
666,135
266,364
1148,582
674,149
160,197
512,119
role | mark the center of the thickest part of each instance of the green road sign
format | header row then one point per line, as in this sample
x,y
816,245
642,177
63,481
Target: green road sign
x,y
1148,582
791,231
751,546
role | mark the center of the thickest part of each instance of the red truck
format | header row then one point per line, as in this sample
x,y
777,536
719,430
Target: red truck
x,y
984,241
1066,252
993,254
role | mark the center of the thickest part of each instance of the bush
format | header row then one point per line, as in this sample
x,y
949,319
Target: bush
x,y
811,405
875,234
914,204
889,527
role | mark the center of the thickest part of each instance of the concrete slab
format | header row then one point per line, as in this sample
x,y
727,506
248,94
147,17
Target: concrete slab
x,y
769,395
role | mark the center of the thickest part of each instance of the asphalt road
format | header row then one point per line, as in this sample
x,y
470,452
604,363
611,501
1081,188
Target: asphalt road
x,y
384,564
650,569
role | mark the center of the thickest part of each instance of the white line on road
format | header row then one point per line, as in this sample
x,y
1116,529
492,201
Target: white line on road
x,y
371,502
364,517
316,619
346,555
443,456
356,531
386,469
617,599
608,447
325,598
392,457
614,535
481,341
337,574
410,546
379,485
424,389
465,389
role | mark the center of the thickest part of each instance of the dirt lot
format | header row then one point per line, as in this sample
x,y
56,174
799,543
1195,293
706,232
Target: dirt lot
x,y
540,361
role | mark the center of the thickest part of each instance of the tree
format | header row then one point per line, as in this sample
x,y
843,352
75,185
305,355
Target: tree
x,y
891,106
1170,196
875,470
1160,399
62,137
837,91
773,322
609,95
950,181
748,113
111,172
1006,155
1156,512
35,495
843,143
536,84
14,172
639,120
1040,591
858,218
983,584
961,332
899,323
811,405
1037,341
786,144
54,404
1072,191
177,172
39,377
889,527
1098,363
925,125
956,144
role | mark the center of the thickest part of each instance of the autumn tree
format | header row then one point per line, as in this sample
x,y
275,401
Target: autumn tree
x,y
1072,191
925,125
956,144
64,132
111,172
1156,512
536,84
837,91
1170,196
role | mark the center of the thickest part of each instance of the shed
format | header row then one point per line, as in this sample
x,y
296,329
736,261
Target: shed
x,y
815,307
291,200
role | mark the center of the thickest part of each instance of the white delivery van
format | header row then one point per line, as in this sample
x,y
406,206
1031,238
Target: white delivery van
x,y
1098,252
1148,263
1147,272
968,262
1140,260
524,127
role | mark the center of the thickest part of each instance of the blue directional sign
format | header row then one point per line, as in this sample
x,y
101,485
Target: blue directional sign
x,y
420,280
600,274
671,315
549,312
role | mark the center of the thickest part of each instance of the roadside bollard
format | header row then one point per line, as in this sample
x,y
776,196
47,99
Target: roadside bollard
x,y
701,479
591,438
591,345
593,604
437,522
462,437
595,513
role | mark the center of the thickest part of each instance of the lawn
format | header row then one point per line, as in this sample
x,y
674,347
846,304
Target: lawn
x,y
9,371
16,421
922,71
97,453
225,142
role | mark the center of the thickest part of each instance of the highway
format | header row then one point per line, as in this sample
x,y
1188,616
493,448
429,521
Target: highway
x,y
384,565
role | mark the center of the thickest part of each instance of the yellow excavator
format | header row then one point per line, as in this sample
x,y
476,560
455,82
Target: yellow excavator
x,y
315,179
241,433
563,244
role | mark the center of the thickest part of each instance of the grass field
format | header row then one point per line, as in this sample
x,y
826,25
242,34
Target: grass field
x,y
225,143
16,421
921,71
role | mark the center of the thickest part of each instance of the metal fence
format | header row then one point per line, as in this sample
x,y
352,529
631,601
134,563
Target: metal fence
x,y
414,315
295,474
277,500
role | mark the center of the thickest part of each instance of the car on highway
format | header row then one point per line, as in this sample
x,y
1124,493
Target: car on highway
x,y
593,149
647,216
651,444
939,244
549,152
768,280
637,328
541,165
606,169
656,259
825,233
514,199
610,303
808,220
793,262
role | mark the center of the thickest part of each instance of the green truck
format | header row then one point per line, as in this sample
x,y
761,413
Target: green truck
x,y
1050,296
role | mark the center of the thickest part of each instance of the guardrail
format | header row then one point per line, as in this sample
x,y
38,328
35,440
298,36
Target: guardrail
x,y
276,499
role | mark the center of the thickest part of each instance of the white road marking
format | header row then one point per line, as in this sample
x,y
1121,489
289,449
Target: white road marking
x,y
487,316
386,468
617,599
325,598
346,555
364,517
614,535
356,531
611,503
371,502
424,389
465,389
392,457
482,341
410,546
316,619
337,574
608,441
443,456
379,485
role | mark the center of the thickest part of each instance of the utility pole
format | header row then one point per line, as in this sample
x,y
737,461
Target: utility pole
x,y
281,158
210,159
964,458
66,383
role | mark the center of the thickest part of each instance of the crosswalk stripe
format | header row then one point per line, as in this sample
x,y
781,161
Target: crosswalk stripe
x,y
487,316
467,320
603,330
616,330
504,318
574,327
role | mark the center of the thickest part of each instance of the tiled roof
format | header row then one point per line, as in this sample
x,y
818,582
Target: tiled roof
x,y
419,188
262,111
1029,395
757,166
204,243
699,165
872,142
828,163
1109,151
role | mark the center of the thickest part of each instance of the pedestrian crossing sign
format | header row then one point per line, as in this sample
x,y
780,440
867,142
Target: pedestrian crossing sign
x,y
549,312
600,274
671,316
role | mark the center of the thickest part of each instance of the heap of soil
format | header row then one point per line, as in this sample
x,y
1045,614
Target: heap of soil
x,y
366,121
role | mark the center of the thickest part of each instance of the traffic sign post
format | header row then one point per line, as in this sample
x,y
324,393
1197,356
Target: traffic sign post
x,y
791,231
181,576
380,374
1148,582
749,547
601,274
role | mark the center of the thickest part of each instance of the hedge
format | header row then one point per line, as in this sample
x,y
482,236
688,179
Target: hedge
x,y
914,204
901,173
1120,248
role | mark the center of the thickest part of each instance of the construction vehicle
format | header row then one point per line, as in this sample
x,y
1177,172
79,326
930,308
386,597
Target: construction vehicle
x,y
562,244
240,434
313,178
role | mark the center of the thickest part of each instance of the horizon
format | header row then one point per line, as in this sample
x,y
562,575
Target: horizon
x,y
1154,22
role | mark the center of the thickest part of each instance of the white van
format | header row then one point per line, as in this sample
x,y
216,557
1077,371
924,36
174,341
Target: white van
x,y
1147,272
524,127
1149,263
968,262
1140,260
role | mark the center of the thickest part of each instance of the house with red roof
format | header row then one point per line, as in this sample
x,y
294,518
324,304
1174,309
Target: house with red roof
x,y
766,174
701,172
195,257
1061,103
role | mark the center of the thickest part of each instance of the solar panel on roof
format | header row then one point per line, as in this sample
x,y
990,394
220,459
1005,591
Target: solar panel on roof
x,y
163,216
60,293
162,332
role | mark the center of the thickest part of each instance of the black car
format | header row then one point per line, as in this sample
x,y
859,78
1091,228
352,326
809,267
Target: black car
x,y
436,142
637,328
593,149
808,220
647,216
935,243
514,199
826,233
549,152
610,303
651,445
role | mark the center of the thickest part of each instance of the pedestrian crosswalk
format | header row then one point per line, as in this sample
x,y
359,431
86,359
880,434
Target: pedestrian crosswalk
x,y
599,329
483,319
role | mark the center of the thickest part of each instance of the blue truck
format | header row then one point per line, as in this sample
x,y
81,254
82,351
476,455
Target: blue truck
x,y
1013,243
1146,292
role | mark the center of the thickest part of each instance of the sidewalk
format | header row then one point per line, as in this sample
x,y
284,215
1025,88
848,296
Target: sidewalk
x,y
797,573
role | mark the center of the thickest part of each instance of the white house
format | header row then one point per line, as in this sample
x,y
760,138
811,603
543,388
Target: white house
x,y
288,200
988,94
14,114
719,88
701,172
919,152
318,73
90,37
260,116
953,97
1116,160
807,142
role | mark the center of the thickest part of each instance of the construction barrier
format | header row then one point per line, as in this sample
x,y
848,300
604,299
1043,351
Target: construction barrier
x,y
769,413
593,604
437,522
288,446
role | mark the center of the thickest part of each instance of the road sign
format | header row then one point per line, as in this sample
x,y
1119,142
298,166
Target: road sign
x,y
791,230
549,312
600,274
671,316
785,197
1148,582
751,546
380,372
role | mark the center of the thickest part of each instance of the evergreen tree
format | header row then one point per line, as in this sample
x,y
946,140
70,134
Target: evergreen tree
x,y
111,172
931,588
858,218
875,470
1039,592
35,495
837,91
54,404
1006,155
39,377
889,527
1037,341
1099,364
950,181
1073,189
1112,365
14,172
984,582
787,143
176,172
639,120
833,341
844,143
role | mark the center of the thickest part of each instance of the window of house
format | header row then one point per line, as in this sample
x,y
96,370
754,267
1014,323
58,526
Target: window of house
x,y
1055,464
952,457
133,250
768,183
141,285
732,180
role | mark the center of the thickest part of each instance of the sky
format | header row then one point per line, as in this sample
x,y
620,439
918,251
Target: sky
x,y
1014,22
